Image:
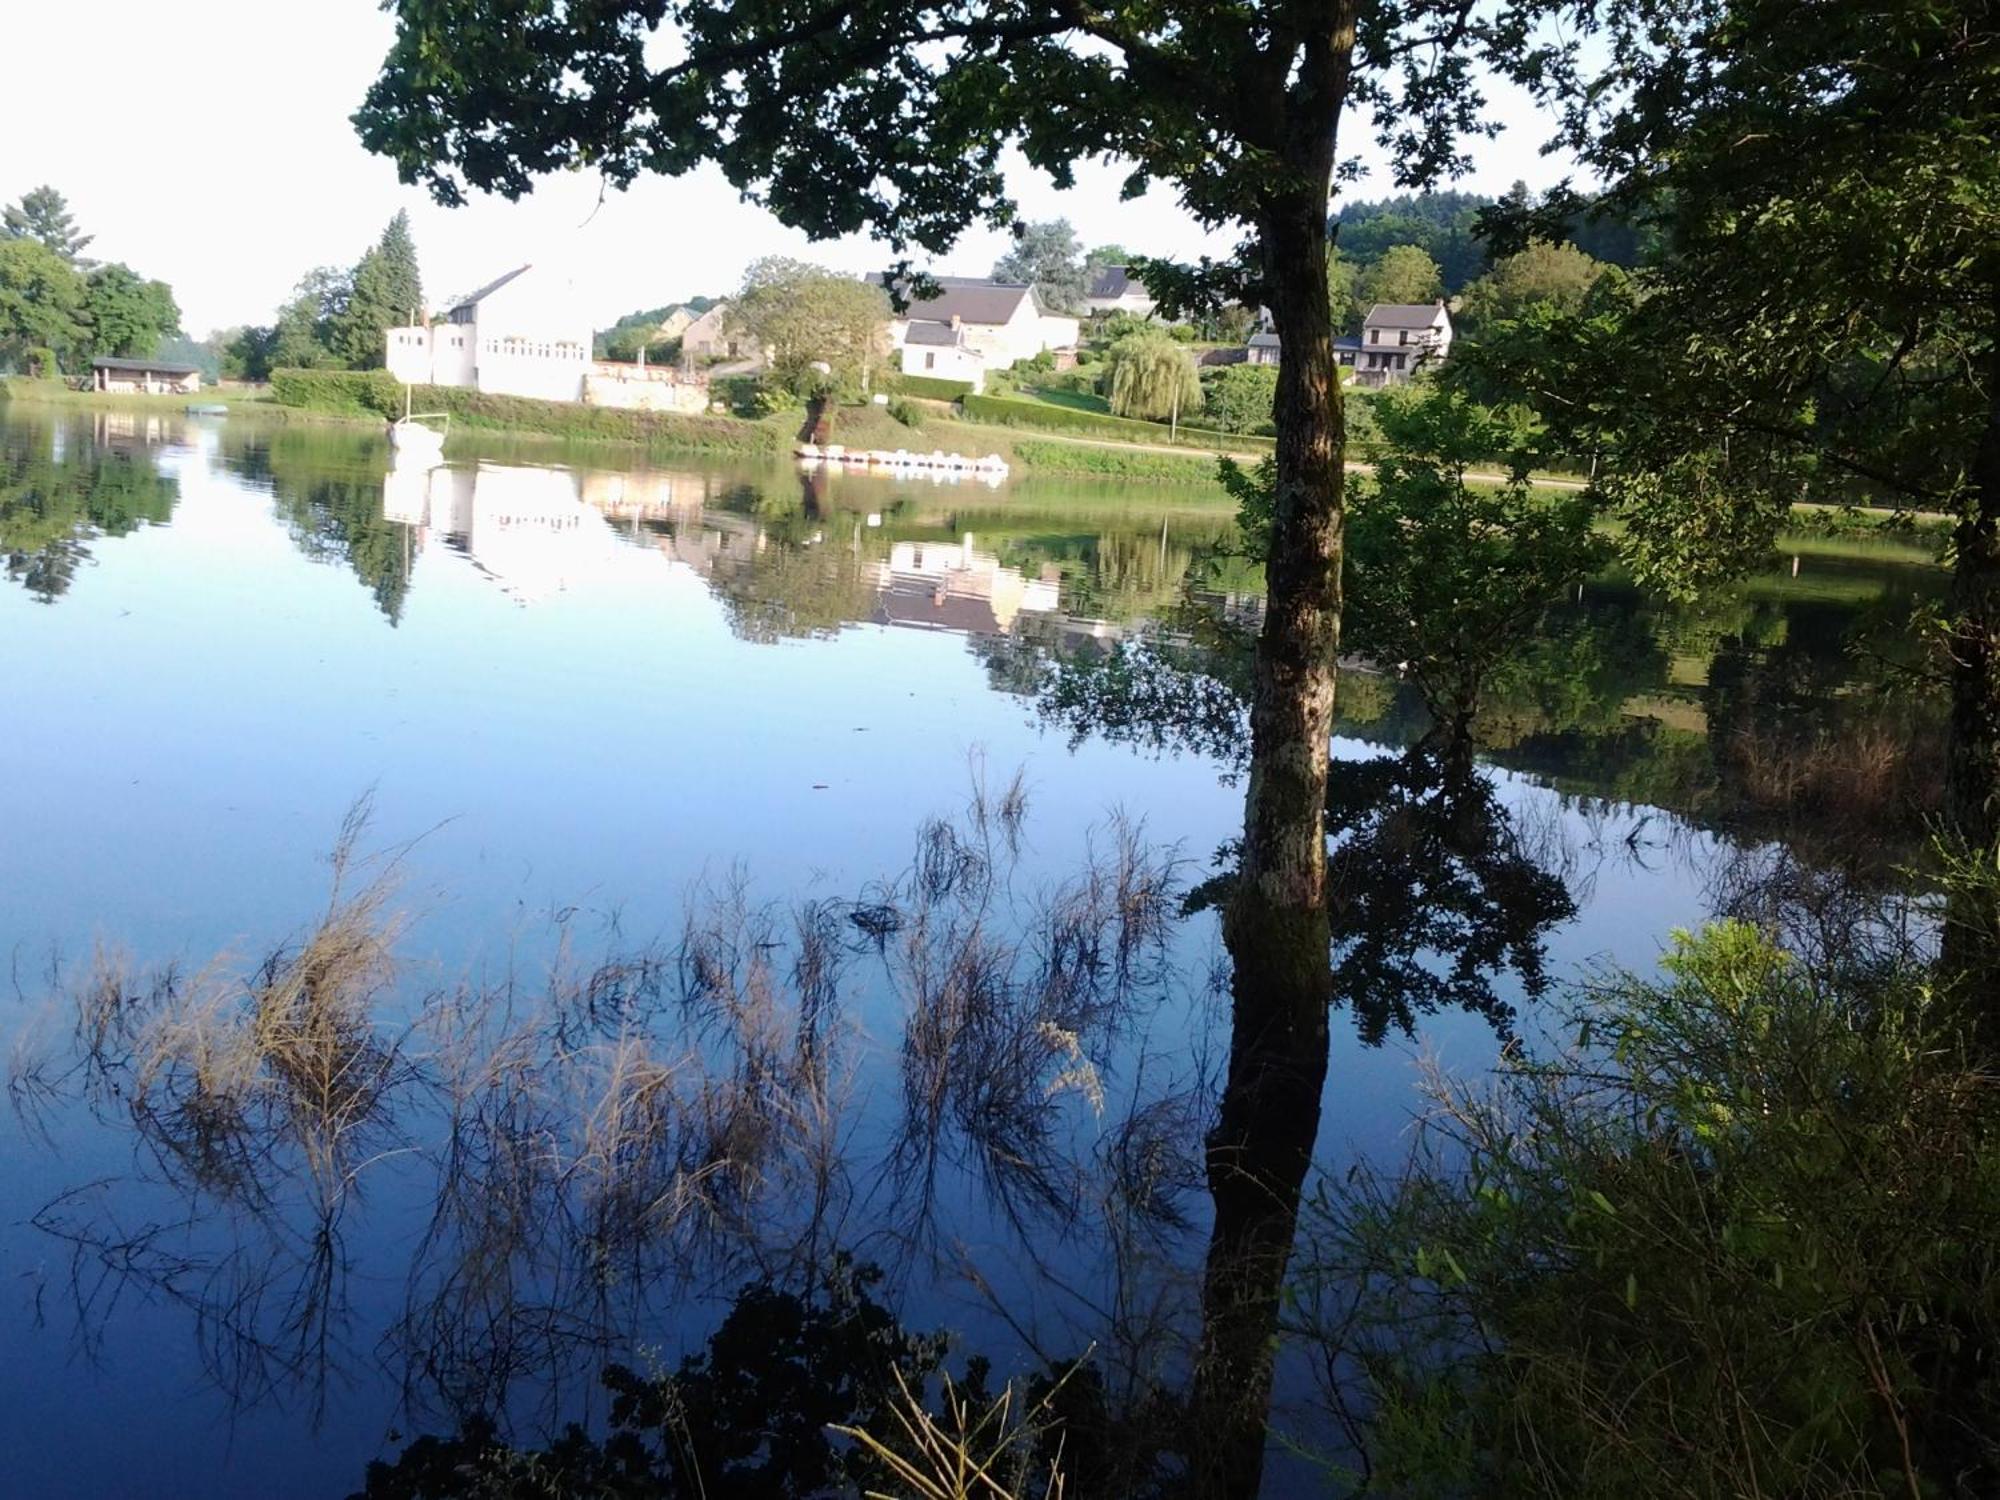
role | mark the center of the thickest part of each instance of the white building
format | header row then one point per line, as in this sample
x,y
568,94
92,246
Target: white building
x,y
1399,338
1116,289
518,336
940,350
970,325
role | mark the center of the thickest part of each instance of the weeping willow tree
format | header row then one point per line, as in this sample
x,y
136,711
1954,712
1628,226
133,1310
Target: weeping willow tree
x,y
1151,377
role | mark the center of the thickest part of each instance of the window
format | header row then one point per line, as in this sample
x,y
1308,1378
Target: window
x,y
1399,361
1403,336
1374,335
930,359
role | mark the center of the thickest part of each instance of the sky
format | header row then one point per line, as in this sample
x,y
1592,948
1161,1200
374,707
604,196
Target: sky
x,y
207,143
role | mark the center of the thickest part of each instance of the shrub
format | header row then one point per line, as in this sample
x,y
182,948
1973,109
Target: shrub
x,y
931,386
354,392
43,365
737,393
1740,1225
774,393
1239,398
906,412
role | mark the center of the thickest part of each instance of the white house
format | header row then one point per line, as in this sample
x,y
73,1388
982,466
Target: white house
x,y
993,323
1116,289
518,336
940,350
1398,338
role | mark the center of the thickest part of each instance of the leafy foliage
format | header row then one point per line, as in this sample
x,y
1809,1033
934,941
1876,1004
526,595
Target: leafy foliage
x,y
1542,274
1403,273
1240,398
1444,225
1151,376
1737,1226
803,315
128,316
385,290
42,215
41,301
1446,578
1046,257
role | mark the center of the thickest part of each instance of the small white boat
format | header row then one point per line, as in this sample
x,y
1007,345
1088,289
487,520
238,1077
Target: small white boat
x,y
410,439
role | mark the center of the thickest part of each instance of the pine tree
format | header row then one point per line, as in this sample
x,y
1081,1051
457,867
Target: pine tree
x,y
386,292
43,216
399,257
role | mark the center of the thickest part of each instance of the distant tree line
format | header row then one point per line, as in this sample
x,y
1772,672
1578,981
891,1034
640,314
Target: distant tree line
x,y
335,319
59,311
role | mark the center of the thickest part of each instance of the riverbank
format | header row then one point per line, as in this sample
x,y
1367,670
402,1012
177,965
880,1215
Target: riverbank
x,y
242,400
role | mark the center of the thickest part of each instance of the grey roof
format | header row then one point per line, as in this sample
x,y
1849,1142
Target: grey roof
x,y
489,289
1263,341
1210,358
147,366
1113,281
969,299
929,331
1402,315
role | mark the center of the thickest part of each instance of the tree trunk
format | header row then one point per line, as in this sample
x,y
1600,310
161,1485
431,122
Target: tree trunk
x,y
1972,764
1276,923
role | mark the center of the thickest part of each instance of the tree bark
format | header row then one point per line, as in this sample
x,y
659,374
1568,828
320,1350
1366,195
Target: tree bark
x,y
1972,757
1276,924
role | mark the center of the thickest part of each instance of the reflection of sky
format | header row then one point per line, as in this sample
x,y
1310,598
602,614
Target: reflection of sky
x,y
189,725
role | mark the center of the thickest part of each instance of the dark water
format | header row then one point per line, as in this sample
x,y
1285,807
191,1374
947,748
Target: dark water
x,y
628,739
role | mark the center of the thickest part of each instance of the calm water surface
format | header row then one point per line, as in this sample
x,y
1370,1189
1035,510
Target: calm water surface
x,y
582,703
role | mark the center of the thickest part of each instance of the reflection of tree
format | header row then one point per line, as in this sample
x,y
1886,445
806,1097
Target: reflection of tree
x,y
52,509
328,488
783,589
1112,575
1434,893
334,520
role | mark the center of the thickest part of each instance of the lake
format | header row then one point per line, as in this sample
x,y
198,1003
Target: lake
x,y
683,800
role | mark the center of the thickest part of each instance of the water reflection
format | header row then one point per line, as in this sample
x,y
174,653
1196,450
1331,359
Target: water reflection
x,y
991,1073
551,1171
64,488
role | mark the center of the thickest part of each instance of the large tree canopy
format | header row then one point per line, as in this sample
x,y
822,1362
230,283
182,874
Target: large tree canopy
x,y
803,315
41,302
1825,319
128,315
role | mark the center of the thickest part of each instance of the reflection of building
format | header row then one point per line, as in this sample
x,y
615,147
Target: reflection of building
x,y
954,586
526,529
539,532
